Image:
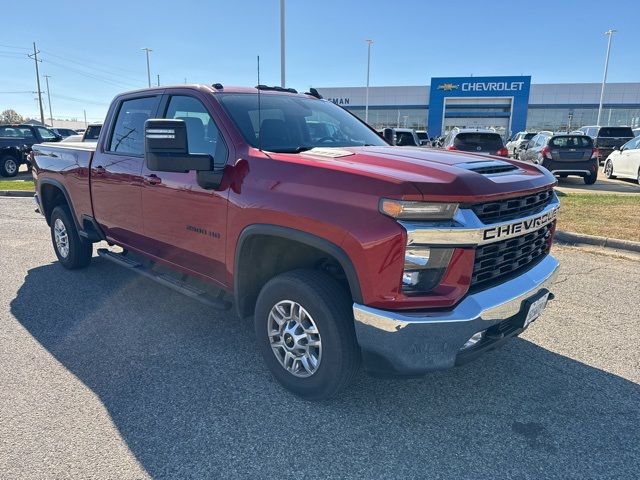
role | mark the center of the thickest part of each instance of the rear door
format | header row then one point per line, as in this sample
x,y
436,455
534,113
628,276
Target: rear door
x,y
116,172
185,224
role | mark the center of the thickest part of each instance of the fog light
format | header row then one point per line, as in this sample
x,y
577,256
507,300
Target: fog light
x,y
475,338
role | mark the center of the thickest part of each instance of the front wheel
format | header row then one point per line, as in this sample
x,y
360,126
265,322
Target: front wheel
x,y
72,250
608,169
8,166
304,330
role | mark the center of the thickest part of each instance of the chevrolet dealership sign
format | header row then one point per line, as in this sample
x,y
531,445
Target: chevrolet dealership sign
x,y
512,90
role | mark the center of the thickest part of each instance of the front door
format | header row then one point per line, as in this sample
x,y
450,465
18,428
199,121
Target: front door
x,y
184,223
116,173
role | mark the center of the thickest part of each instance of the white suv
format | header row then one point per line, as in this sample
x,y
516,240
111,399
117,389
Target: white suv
x,y
517,141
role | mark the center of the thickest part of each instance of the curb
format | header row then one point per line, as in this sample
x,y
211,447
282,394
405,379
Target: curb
x,y
614,243
17,193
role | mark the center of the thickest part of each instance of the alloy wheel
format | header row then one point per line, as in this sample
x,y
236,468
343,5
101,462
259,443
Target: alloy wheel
x,y
61,238
294,338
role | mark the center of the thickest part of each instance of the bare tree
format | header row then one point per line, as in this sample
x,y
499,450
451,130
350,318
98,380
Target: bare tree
x,y
11,116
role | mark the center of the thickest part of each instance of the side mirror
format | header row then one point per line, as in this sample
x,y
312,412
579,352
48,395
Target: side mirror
x,y
166,148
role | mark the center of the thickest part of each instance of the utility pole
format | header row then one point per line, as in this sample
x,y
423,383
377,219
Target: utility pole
x,y
606,69
158,79
147,50
47,77
85,118
282,43
35,58
366,102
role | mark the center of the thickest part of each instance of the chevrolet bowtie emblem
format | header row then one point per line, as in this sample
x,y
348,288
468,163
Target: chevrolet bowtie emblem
x,y
447,87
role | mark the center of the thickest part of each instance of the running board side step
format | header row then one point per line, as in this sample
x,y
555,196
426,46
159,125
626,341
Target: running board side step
x,y
166,280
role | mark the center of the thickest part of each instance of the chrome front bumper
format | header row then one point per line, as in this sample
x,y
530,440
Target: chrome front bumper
x,y
412,343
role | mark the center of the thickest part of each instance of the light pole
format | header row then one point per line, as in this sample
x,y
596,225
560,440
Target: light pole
x,y
147,50
47,77
609,33
282,42
366,101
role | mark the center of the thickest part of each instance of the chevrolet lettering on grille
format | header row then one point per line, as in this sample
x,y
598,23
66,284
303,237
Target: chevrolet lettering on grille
x,y
501,232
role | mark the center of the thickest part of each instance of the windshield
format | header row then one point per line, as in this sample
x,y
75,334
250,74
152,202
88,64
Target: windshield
x,y
615,132
529,136
576,141
289,124
478,142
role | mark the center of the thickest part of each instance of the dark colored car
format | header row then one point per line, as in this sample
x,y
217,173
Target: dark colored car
x,y
64,132
606,139
342,248
478,141
16,142
564,155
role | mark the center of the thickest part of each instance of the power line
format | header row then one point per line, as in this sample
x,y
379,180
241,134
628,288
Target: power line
x,y
93,67
116,83
13,46
80,100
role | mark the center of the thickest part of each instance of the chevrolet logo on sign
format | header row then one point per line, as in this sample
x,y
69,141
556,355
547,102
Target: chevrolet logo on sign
x,y
447,87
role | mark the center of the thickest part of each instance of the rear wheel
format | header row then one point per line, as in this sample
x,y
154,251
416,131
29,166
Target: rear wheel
x,y
304,330
591,178
638,177
8,166
608,169
72,250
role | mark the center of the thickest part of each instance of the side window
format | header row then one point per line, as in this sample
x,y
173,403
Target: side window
x,y
46,134
592,132
202,133
128,132
541,141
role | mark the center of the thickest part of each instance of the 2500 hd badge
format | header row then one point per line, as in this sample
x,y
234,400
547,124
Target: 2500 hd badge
x,y
520,227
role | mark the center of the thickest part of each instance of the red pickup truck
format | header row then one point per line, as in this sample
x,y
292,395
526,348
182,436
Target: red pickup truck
x,y
345,250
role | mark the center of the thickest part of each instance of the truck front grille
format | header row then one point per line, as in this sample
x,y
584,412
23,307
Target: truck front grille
x,y
512,208
496,261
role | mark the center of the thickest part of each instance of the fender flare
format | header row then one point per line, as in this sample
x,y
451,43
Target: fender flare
x,y
302,237
58,185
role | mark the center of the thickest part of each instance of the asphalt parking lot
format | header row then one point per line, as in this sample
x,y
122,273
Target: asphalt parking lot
x,y
104,374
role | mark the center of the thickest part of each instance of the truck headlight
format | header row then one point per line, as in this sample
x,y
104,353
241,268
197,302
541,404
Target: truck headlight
x,y
424,267
417,210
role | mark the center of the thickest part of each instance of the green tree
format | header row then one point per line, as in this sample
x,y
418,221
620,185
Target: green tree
x,y
11,116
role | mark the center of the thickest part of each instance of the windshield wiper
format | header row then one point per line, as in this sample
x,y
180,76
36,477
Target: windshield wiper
x,y
301,148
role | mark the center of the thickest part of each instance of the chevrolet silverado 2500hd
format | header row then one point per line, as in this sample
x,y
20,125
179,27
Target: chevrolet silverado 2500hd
x,y
343,249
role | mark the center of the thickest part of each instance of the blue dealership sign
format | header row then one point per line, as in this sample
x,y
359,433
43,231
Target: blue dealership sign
x,y
516,88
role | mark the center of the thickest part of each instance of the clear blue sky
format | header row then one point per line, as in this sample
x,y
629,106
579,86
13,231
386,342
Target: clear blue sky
x,y
92,49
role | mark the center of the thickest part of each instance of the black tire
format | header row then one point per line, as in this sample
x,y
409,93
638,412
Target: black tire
x,y
330,307
608,169
591,178
80,250
638,177
9,166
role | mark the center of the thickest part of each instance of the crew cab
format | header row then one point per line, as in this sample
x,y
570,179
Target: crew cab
x,y
16,142
344,249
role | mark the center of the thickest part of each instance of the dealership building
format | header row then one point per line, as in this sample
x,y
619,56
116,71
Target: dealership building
x,y
506,104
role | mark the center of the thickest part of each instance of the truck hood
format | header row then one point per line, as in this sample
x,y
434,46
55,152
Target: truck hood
x,y
437,174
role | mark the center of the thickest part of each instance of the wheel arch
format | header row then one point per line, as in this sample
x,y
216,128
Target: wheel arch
x,y
247,288
53,193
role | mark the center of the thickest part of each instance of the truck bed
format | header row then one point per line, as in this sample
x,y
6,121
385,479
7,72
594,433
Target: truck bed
x,y
67,164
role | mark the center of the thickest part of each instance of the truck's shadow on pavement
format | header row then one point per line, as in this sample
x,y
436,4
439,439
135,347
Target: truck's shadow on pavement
x,y
191,397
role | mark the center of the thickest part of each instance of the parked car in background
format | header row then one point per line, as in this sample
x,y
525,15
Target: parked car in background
x,y
518,140
64,132
624,162
475,140
636,132
606,139
16,142
563,155
423,136
92,133
401,137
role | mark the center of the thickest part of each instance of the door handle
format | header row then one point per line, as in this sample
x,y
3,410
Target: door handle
x,y
100,170
152,179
